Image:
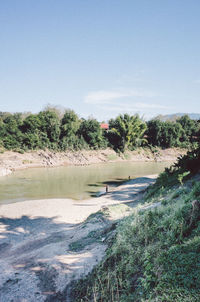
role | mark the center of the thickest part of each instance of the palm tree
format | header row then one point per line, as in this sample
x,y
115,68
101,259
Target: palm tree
x,y
127,131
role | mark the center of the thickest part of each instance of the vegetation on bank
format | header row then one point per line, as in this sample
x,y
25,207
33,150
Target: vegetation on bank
x,y
59,131
155,253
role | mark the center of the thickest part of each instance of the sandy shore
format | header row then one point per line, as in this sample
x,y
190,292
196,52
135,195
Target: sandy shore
x,y
35,236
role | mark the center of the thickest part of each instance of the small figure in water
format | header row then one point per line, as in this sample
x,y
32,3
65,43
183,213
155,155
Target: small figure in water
x,y
129,178
106,188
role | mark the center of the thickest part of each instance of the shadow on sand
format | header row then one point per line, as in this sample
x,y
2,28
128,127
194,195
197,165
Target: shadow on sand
x,y
35,262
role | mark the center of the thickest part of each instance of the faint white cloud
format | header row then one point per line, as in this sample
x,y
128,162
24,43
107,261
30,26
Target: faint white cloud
x,y
150,106
103,97
110,103
135,107
108,96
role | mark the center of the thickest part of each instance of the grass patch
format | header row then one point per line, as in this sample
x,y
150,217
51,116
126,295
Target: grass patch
x,y
96,236
127,156
2,150
99,216
26,161
76,246
112,157
155,253
154,256
93,237
186,166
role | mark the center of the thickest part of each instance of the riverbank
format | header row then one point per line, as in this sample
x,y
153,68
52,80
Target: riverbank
x,y
46,244
154,253
11,161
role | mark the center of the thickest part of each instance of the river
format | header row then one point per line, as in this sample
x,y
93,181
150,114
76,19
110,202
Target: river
x,y
76,182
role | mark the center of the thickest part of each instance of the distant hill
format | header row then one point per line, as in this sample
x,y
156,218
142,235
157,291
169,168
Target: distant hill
x,y
175,116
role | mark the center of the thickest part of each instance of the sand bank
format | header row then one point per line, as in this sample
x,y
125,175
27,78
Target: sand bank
x,y
36,261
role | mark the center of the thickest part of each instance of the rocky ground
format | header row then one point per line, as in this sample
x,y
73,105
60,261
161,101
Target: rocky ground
x,y
11,161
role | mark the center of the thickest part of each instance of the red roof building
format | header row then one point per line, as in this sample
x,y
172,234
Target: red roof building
x,y
104,126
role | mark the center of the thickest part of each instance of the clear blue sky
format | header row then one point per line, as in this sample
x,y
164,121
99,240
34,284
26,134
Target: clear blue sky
x,y
100,57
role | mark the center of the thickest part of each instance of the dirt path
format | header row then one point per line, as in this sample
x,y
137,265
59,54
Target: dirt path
x,y
46,244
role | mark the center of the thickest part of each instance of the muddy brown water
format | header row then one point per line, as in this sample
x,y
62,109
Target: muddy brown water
x,y
75,182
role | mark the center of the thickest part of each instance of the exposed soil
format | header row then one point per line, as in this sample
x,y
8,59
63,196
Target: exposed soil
x,y
11,161
46,244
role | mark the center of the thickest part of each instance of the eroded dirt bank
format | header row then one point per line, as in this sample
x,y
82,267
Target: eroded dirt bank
x,y
11,161
46,244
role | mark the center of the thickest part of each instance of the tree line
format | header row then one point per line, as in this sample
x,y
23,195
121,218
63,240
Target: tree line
x,y
53,130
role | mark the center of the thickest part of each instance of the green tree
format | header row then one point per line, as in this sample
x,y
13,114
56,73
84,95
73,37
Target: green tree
x,y
49,129
31,123
12,136
126,132
172,133
154,132
164,134
191,129
70,124
92,133
39,132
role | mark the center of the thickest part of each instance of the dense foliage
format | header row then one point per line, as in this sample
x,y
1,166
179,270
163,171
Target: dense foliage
x,y
186,166
155,254
126,132
65,130
184,132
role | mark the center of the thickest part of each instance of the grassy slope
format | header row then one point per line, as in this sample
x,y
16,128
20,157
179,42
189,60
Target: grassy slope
x,y
155,255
